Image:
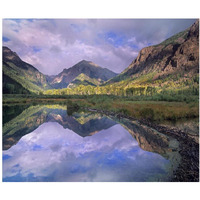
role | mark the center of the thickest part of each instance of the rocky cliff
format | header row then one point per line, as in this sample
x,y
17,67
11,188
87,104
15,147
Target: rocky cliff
x,y
178,54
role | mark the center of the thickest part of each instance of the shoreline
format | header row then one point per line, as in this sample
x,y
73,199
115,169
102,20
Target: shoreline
x,y
160,128
188,170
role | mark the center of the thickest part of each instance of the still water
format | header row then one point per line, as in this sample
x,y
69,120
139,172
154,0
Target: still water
x,y
44,143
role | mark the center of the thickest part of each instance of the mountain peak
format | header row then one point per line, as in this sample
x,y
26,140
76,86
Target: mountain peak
x,y
6,49
85,62
179,53
8,54
87,68
23,77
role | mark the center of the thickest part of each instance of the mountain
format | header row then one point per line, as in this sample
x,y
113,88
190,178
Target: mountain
x,y
26,121
83,79
171,66
20,77
178,55
149,139
11,86
84,124
88,68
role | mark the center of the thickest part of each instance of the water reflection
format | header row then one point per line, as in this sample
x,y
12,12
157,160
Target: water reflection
x,y
10,112
31,118
52,146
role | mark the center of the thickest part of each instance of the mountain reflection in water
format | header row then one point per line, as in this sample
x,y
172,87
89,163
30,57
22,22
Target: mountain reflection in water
x,y
43,143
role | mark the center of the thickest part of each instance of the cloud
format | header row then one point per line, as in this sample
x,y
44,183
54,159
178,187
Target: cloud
x,y
52,153
54,44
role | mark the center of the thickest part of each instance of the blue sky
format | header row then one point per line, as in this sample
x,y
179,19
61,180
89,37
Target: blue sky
x,y
5,39
54,44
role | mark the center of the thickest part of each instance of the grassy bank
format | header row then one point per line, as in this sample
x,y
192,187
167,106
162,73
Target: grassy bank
x,y
151,110
134,107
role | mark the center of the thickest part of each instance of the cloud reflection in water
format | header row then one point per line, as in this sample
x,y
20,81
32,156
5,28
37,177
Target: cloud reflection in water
x,y
52,153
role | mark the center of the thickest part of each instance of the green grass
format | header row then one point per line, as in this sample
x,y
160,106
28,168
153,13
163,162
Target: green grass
x,y
24,81
155,108
151,110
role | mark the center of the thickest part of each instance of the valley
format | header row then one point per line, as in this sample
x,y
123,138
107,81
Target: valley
x,y
148,112
164,72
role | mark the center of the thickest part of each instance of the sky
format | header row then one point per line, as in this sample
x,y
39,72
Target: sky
x,y
51,45
52,153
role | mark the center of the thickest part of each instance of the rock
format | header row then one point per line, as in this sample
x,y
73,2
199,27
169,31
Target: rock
x,y
180,53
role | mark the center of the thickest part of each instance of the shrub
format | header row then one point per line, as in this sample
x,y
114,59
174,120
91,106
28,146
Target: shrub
x,y
147,113
72,107
124,111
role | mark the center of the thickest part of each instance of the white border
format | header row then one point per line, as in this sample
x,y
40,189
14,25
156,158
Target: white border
x,y
98,9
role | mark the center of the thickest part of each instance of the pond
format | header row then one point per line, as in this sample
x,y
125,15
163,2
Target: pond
x,y
42,143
